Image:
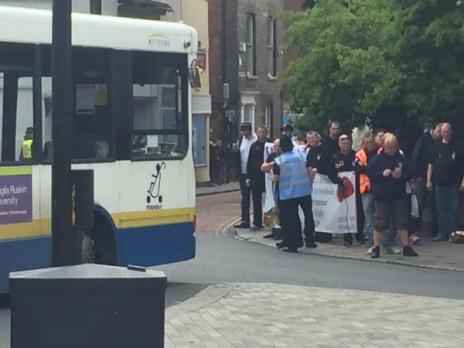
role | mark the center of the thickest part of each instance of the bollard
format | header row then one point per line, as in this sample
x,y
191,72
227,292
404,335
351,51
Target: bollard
x,y
87,306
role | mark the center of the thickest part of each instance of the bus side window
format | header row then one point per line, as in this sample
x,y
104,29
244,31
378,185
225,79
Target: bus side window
x,y
16,102
24,120
1,109
93,122
47,118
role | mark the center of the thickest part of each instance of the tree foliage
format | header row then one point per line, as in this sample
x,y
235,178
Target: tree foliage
x,y
389,59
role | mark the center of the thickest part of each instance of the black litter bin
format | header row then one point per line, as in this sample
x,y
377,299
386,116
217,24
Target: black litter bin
x,y
92,306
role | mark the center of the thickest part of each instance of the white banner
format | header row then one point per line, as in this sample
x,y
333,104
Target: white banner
x,y
334,211
269,197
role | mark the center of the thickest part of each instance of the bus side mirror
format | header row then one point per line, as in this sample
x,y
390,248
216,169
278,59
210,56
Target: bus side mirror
x,y
194,77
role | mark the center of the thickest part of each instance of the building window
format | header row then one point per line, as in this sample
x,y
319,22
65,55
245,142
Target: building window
x,y
248,114
269,115
272,47
251,44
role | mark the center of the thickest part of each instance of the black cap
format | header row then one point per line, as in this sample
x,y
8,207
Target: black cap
x,y
245,125
287,127
286,143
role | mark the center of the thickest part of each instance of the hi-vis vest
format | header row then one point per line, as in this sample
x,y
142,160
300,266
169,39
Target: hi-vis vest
x,y
364,182
293,178
27,148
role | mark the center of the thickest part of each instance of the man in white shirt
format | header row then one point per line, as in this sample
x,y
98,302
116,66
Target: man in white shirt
x,y
358,133
243,148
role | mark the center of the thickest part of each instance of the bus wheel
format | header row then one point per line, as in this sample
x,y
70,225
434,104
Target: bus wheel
x,y
99,244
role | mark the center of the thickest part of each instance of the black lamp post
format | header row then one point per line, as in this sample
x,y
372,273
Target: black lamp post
x,y
65,250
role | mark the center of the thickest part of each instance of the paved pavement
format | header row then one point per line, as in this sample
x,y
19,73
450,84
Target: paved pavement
x,y
272,315
440,255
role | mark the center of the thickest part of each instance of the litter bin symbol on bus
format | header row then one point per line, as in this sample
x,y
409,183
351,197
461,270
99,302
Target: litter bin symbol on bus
x,y
154,192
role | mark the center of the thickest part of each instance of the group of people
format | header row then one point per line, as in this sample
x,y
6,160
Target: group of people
x,y
388,184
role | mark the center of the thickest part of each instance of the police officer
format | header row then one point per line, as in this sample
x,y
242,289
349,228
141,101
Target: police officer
x,y
295,190
26,146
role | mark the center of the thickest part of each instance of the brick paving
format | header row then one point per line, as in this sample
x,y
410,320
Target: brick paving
x,y
217,212
272,315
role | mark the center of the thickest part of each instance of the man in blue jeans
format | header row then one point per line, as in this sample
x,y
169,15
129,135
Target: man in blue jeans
x,y
445,175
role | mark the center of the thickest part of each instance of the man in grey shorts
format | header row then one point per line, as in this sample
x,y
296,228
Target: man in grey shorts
x,y
388,172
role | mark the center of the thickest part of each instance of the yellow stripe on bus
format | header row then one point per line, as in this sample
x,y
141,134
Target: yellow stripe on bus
x,y
153,217
15,171
23,230
42,227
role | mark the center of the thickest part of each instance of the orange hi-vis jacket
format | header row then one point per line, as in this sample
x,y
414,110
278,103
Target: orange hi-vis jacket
x,y
364,182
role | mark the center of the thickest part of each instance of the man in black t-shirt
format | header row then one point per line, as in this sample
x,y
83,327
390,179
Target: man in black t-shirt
x,y
330,143
445,175
316,157
423,150
343,161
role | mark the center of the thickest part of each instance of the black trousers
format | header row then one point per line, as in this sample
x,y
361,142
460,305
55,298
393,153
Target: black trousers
x,y
306,204
360,219
245,203
257,194
347,237
290,220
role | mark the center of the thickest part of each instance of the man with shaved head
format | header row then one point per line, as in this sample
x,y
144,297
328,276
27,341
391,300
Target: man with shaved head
x,y
388,173
445,176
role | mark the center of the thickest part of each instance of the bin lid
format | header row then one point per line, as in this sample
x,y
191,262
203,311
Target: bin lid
x,y
87,271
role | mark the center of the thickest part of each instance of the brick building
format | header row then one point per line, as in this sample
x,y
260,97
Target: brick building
x,y
247,44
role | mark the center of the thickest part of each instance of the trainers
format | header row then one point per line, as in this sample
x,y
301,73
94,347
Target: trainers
x,y
256,228
369,251
375,254
414,239
408,251
393,250
281,245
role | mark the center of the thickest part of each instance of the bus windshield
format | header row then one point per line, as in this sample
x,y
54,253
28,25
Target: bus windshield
x,y
158,122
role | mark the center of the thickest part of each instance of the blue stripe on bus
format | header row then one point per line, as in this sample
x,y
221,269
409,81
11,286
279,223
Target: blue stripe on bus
x,y
143,246
21,254
148,246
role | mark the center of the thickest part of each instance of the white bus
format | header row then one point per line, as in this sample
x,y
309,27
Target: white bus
x,y
131,125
